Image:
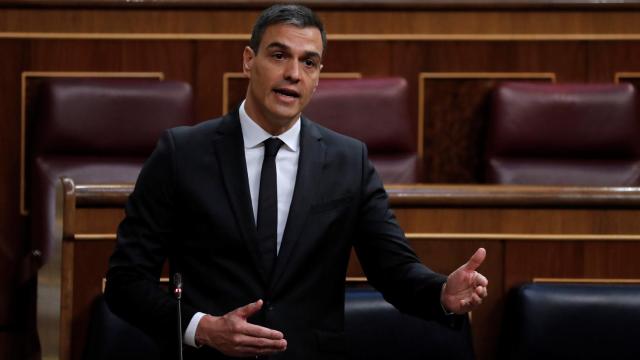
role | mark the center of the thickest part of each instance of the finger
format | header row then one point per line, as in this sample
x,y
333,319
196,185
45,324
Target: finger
x,y
246,350
475,299
482,291
259,343
269,345
476,260
480,280
249,309
257,331
464,304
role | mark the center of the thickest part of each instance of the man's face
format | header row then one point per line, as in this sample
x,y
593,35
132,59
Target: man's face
x,y
282,75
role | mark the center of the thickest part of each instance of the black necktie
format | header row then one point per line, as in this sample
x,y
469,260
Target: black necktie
x,y
267,223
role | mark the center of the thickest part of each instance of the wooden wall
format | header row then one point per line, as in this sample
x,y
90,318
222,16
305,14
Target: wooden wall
x,y
451,53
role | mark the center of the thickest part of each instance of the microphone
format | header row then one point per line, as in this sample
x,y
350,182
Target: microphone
x,y
177,282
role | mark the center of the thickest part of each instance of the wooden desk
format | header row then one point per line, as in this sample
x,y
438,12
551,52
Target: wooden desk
x,y
528,231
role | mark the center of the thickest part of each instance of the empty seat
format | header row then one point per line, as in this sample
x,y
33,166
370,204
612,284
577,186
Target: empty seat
x,y
564,134
375,330
94,130
375,111
573,321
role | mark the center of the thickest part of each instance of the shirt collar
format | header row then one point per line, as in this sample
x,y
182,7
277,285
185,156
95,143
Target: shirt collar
x,y
253,135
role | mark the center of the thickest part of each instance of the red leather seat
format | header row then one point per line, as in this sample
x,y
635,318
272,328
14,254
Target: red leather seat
x,y
376,112
564,134
94,130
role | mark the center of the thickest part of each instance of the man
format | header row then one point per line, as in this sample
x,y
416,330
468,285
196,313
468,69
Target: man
x,y
261,229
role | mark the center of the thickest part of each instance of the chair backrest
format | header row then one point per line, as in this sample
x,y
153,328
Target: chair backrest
x,y
572,321
375,111
111,338
564,134
374,330
95,130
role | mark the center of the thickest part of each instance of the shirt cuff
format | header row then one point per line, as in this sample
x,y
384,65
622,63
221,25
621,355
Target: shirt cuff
x,y
446,312
190,333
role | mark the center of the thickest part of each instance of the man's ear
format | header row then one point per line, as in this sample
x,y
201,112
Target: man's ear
x,y
247,60
315,86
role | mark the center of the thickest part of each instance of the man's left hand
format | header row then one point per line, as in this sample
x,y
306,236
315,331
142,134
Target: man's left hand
x,y
465,288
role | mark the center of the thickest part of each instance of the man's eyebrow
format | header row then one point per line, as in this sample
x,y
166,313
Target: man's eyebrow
x,y
279,45
310,54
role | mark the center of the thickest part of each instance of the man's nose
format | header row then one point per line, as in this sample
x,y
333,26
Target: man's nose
x,y
292,71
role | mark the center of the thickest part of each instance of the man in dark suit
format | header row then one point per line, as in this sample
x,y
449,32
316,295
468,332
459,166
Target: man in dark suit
x,y
258,210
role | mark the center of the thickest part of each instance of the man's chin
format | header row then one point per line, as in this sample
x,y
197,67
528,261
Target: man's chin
x,y
285,117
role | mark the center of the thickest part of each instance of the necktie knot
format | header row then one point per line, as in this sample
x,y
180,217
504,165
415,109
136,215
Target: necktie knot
x,y
271,146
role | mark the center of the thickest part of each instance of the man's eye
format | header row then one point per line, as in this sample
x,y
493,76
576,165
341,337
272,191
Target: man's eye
x,y
309,63
278,56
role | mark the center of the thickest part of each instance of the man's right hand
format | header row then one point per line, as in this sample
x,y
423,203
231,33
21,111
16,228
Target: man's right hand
x,y
232,335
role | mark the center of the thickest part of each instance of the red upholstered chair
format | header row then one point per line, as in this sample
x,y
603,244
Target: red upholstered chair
x,y
564,134
94,130
376,112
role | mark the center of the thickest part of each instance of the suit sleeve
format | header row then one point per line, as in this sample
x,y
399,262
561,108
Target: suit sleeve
x,y
386,257
143,242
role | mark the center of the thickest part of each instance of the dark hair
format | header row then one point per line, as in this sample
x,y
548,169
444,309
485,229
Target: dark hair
x,y
297,15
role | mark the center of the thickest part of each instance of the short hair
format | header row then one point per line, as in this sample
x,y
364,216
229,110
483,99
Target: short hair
x,y
297,15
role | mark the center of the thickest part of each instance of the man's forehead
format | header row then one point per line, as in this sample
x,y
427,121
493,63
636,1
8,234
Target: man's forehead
x,y
308,39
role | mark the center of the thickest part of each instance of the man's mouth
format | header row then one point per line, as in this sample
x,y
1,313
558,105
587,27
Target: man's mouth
x,y
287,92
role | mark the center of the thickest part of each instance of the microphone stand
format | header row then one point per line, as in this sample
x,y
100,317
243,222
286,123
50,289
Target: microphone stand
x,y
177,280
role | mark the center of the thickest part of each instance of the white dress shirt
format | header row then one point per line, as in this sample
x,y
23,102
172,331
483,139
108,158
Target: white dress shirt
x,y
286,170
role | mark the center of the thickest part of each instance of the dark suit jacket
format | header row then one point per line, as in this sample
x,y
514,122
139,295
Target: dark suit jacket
x,y
191,205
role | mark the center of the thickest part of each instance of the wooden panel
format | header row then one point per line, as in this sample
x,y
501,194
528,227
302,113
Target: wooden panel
x,y
11,246
453,118
234,90
97,220
466,23
545,222
175,59
608,58
214,58
526,260
92,257
370,58
17,301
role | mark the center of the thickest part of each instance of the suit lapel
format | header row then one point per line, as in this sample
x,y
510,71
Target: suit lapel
x,y
310,165
229,146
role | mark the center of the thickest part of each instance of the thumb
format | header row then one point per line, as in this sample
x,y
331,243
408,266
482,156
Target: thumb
x,y
249,309
476,260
